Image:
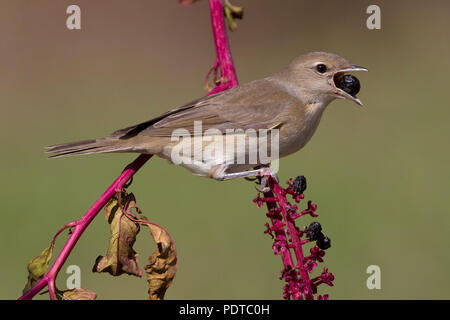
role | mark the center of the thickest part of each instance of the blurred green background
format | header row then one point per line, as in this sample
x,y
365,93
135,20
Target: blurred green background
x,y
380,174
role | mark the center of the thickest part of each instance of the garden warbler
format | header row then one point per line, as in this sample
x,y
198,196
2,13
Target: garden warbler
x,y
290,103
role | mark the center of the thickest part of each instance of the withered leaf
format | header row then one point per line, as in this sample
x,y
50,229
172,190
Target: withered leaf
x,y
120,257
162,265
77,294
37,267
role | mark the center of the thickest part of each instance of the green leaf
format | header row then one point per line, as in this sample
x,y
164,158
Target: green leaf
x,y
120,257
37,267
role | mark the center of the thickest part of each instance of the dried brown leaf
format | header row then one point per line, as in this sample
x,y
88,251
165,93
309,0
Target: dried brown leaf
x,y
77,294
162,265
120,257
37,267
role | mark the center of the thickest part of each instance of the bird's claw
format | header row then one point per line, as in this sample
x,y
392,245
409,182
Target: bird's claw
x,y
264,185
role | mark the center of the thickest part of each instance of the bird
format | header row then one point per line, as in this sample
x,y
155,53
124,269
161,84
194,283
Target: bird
x,y
286,106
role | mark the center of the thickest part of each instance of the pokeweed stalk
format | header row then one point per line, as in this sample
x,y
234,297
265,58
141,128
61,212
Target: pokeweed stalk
x,y
289,238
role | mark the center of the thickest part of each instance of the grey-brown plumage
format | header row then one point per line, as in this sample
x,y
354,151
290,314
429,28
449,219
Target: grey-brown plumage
x,y
291,101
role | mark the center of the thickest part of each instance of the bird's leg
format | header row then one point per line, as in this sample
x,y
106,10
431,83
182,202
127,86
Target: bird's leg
x,y
243,174
261,172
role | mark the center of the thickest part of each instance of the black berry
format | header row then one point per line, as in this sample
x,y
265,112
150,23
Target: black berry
x,y
324,243
314,231
299,185
349,84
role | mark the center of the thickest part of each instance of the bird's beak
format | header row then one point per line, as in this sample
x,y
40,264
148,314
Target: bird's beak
x,y
341,93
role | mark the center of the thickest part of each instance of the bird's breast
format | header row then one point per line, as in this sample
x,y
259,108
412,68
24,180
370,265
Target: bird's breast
x,y
300,129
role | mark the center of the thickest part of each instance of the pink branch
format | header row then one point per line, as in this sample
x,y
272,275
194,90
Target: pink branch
x,y
81,225
287,236
229,80
225,61
281,240
297,245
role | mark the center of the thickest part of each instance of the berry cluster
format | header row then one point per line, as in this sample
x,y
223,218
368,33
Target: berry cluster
x,y
288,237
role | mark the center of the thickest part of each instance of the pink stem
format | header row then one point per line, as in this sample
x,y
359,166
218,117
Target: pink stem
x,y
297,245
82,224
69,225
280,235
227,70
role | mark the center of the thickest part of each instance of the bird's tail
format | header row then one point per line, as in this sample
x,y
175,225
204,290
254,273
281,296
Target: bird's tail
x,y
106,145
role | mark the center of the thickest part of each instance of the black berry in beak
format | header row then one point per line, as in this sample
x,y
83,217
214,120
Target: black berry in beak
x,y
346,85
349,84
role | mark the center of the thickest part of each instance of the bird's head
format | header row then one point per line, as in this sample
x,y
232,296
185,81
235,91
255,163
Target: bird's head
x,y
323,76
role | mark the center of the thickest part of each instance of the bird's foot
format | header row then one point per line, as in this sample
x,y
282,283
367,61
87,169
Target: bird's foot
x,y
263,173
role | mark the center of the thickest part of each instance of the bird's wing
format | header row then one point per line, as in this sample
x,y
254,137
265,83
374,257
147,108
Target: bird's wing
x,y
134,130
257,105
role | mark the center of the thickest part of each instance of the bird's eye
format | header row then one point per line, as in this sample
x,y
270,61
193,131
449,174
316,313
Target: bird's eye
x,y
321,68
